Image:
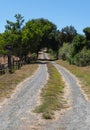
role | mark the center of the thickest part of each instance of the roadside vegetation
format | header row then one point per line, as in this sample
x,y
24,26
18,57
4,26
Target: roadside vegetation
x,y
36,34
52,94
22,40
76,51
83,73
8,82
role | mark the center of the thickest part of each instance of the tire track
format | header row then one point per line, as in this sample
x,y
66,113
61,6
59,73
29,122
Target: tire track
x,y
16,114
78,117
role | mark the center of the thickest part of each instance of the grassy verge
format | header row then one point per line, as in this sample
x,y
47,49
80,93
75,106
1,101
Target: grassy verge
x,y
51,95
83,73
8,82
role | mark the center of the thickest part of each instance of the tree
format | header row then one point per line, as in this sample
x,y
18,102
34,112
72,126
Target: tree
x,y
36,34
15,26
48,28
55,42
31,36
14,34
87,32
77,44
2,45
68,33
75,48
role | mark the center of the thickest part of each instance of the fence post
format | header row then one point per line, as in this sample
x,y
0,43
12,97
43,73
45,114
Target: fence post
x,y
9,48
9,62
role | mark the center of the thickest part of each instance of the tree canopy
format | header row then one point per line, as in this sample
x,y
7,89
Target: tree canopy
x,y
39,33
68,33
87,32
36,34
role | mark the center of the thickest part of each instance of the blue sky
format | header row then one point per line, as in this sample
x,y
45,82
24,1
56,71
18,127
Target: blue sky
x,y
60,12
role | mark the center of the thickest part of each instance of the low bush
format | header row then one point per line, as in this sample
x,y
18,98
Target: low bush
x,y
82,58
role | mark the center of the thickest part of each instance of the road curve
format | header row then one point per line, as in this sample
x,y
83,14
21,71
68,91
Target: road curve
x,y
78,117
16,114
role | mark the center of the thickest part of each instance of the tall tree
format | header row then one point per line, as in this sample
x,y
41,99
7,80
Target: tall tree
x,y
36,34
55,41
68,33
2,45
14,32
77,44
15,26
87,32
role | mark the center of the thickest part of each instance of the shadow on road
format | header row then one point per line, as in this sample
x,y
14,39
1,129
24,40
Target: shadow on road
x,y
42,61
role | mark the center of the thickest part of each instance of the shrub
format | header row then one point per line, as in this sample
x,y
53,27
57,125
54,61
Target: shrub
x,y
63,52
53,53
82,58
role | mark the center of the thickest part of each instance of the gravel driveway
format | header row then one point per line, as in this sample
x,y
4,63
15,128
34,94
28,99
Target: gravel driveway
x,y
17,114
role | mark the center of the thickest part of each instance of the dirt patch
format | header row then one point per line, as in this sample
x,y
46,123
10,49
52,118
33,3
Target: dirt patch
x,y
10,83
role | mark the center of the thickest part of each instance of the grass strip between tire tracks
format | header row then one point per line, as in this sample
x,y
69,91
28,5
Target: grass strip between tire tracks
x,y
52,94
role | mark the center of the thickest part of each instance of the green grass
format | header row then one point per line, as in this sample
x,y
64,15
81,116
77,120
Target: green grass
x,y
83,73
51,95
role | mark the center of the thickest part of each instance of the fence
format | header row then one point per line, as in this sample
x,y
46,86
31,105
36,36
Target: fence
x,y
16,64
3,68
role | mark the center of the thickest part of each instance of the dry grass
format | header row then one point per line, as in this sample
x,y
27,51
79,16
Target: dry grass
x,y
83,73
51,94
8,82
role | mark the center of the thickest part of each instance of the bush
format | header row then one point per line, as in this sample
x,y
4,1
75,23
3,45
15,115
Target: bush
x,y
53,53
75,49
82,58
63,52
79,58
32,58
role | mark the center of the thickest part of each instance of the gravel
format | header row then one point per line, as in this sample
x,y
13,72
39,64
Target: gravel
x,y
78,117
16,113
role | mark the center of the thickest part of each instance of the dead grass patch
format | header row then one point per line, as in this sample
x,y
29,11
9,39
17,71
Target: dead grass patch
x,y
8,82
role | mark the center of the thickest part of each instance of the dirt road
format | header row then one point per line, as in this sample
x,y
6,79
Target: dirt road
x,y
17,114
78,116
